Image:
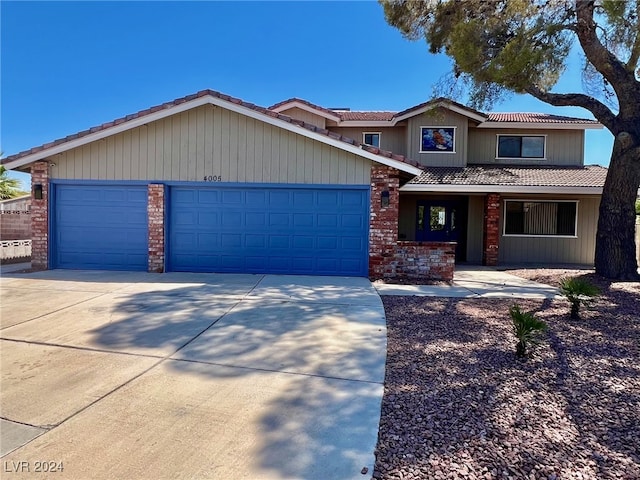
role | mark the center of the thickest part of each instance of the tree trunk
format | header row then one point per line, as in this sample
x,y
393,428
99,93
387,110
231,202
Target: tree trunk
x,y
615,241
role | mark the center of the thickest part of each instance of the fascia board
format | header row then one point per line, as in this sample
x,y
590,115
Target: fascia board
x,y
501,189
540,126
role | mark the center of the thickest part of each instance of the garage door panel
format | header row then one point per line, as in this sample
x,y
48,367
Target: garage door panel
x,y
100,227
298,230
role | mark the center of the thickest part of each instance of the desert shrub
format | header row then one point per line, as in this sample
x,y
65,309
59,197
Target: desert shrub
x,y
526,328
580,292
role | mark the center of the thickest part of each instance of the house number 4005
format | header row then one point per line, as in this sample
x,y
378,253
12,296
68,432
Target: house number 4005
x,y
213,178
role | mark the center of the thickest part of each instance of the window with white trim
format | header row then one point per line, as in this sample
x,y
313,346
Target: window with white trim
x,y
556,218
371,138
521,146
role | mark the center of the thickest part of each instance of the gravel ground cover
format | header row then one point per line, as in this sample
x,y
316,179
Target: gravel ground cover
x,y
459,405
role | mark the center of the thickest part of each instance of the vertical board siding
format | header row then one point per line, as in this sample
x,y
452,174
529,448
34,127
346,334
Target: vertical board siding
x,y
564,147
212,141
393,139
579,250
439,117
305,116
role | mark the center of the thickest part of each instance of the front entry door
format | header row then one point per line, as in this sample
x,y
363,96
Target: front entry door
x,y
441,221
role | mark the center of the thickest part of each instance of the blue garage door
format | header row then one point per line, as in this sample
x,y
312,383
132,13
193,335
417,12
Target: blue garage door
x,y
100,227
300,230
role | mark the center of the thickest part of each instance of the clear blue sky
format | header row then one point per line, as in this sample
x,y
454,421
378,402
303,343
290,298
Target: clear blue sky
x,y
67,66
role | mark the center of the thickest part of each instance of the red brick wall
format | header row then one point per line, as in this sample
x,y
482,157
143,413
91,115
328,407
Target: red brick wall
x,y
15,225
40,216
420,261
155,211
491,231
390,259
383,221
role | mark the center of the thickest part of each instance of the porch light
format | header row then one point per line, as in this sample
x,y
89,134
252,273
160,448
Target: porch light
x,y
384,198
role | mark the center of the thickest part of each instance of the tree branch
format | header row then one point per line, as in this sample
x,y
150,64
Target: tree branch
x,y
611,68
602,113
632,64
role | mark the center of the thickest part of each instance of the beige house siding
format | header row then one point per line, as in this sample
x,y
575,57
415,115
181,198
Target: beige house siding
x,y
548,249
305,116
563,147
392,139
212,141
439,117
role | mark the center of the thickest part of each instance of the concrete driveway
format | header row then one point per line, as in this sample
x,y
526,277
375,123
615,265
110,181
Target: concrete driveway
x,y
135,375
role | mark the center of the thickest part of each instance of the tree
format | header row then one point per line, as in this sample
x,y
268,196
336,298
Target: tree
x,y
522,46
9,187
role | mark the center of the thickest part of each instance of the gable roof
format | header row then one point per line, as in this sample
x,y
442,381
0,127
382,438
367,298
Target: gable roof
x,y
441,102
215,98
516,179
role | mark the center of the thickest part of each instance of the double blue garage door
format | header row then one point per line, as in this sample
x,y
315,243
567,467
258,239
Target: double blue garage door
x,y
289,230
317,231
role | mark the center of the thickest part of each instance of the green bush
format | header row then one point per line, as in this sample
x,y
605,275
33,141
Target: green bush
x,y
526,328
579,292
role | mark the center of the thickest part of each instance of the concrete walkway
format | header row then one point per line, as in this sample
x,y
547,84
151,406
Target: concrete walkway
x,y
472,281
134,375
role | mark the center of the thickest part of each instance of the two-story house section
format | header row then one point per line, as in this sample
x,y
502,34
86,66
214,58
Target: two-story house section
x,y
211,183
507,187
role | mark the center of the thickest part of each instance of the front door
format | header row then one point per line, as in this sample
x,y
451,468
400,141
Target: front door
x,y
441,221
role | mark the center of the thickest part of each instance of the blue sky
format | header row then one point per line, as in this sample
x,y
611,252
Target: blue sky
x,y
67,66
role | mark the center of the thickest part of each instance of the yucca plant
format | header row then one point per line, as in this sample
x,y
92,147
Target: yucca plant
x,y
527,329
579,292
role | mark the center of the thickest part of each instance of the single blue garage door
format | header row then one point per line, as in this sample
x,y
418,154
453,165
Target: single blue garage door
x,y
290,230
100,227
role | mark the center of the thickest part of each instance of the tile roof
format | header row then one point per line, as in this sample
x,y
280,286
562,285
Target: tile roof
x,y
367,116
580,176
222,96
536,118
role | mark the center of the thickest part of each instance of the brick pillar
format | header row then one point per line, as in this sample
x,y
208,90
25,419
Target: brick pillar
x,y
155,212
40,216
383,221
491,236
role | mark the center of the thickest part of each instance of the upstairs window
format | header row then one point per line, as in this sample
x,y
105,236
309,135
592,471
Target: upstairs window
x,y
543,218
371,138
521,146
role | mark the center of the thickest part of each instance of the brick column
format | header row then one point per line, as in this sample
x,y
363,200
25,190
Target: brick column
x,y
155,212
491,235
40,216
383,221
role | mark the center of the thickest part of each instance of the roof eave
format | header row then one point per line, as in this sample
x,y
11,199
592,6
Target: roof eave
x,y
541,126
540,189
